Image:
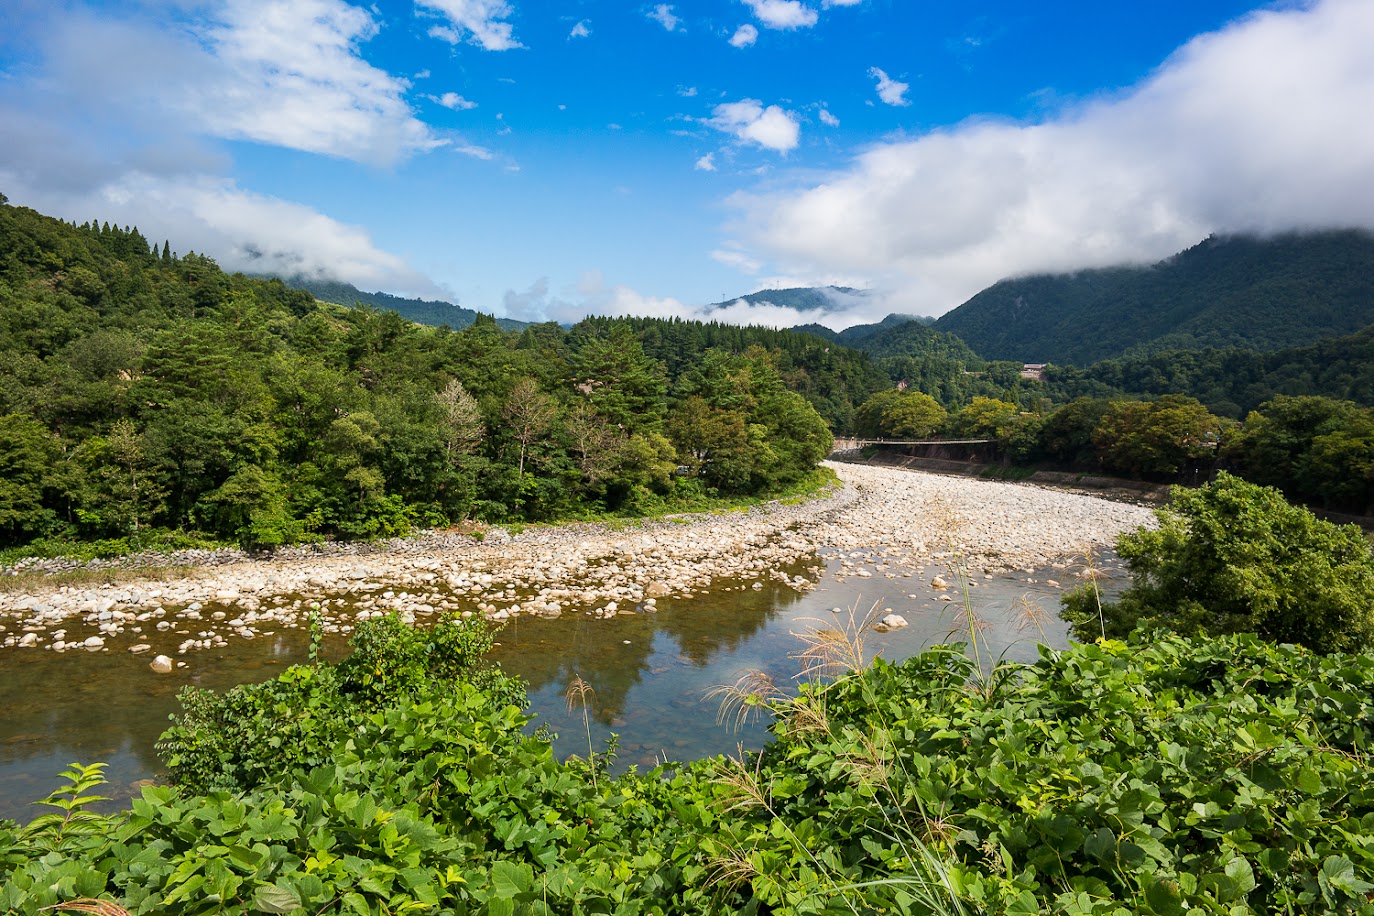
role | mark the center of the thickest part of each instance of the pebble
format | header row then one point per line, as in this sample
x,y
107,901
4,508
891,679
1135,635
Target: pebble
x,y
892,521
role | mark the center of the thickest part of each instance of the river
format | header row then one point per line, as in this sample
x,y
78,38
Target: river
x,y
650,671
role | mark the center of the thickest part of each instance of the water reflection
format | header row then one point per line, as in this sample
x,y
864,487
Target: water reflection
x,y
617,654
650,672
108,706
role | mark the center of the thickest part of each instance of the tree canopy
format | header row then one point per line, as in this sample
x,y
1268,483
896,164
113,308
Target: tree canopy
x,y
1235,557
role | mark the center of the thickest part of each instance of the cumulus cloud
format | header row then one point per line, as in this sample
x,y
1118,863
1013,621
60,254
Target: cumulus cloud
x,y
744,36
749,121
828,119
783,14
889,90
482,22
663,15
1260,127
243,231
119,117
282,73
707,163
581,30
594,296
454,101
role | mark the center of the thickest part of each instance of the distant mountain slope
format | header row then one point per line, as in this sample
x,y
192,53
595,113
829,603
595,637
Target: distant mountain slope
x,y
910,336
915,340
420,311
824,299
1264,294
1230,381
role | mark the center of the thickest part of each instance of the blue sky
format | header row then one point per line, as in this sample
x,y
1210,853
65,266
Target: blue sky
x,y
547,160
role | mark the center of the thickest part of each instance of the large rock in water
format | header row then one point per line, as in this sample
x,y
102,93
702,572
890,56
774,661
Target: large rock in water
x,y
891,622
161,664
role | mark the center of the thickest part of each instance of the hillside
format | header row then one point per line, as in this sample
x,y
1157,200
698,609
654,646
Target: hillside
x,y
1260,294
145,395
824,299
421,311
1230,381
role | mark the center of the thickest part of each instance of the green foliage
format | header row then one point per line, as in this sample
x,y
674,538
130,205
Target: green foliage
x,y
26,454
1216,776
258,734
984,418
1157,438
1313,448
1260,294
1234,557
900,415
72,822
420,311
143,392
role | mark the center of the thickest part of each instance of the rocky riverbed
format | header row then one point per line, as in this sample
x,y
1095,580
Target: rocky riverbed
x,y
883,523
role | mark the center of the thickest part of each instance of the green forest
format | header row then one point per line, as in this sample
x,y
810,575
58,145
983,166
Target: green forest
x,y
1205,749
144,391
148,395
1227,291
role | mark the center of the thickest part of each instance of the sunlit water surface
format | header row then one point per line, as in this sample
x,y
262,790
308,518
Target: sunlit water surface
x,y
650,672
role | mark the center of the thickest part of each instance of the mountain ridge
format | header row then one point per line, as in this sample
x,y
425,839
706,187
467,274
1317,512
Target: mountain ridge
x,y
433,312
1226,291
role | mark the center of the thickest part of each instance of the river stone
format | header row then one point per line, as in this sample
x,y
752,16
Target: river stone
x,y
938,582
161,664
892,622
28,640
94,642
140,648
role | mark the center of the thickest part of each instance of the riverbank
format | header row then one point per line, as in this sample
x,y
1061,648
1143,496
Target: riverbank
x,y
883,523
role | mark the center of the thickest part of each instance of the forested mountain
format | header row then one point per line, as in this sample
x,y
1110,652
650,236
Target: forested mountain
x,y
141,390
1260,294
421,311
1230,381
806,298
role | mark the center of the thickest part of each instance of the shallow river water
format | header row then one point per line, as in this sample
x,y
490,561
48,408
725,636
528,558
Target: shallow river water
x,y
651,672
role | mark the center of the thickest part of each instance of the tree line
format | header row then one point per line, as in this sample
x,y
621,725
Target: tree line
x,y
143,390
1317,450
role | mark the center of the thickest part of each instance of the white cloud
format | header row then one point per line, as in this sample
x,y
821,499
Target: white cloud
x,y
480,19
594,296
663,15
475,151
783,14
243,231
453,100
1262,126
736,259
283,73
744,36
687,92
581,30
706,163
889,90
771,127
833,3
828,119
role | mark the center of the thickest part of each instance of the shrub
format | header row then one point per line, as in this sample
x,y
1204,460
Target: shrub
x,y
1234,557
259,734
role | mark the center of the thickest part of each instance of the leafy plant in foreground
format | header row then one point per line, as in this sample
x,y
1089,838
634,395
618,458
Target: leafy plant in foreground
x,y
257,734
1233,557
